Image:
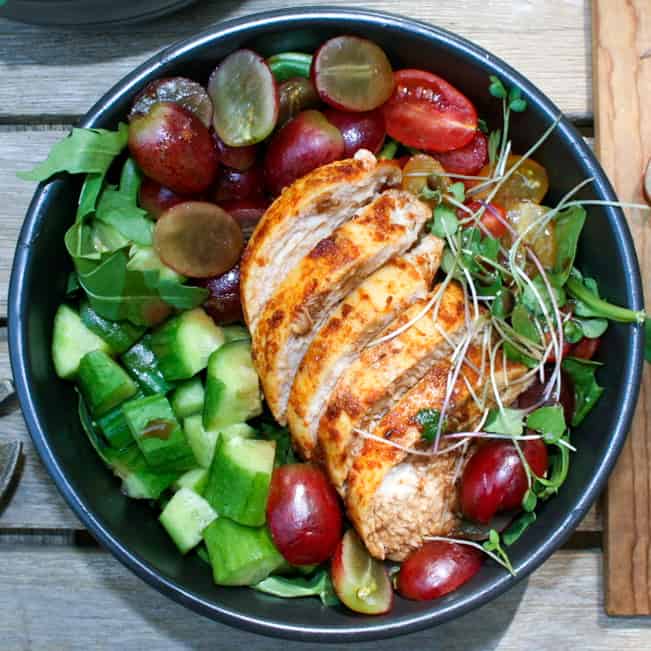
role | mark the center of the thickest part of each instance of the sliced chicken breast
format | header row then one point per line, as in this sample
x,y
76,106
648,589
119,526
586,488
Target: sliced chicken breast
x,y
305,213
383,373
396,499
357,320
302,303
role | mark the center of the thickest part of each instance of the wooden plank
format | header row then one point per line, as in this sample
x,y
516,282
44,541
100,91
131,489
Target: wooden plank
x,y
67,71
622,81
61,597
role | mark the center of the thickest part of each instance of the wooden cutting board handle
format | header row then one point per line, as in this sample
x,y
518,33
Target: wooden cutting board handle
x,y
622,110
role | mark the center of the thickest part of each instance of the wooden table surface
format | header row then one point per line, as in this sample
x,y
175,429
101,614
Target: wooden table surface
x,y
58,589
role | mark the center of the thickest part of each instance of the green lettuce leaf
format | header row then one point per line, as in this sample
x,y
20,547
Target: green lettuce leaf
x,y
287,587
567,229
586,389
508,421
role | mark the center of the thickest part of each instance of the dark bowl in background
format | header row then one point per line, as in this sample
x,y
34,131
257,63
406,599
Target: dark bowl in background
x,y
88,12
128,528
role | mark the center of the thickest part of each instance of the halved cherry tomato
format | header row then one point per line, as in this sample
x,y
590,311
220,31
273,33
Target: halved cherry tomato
x,y
528,183
585,348
494,218
426,112
467,160
567,346
417,171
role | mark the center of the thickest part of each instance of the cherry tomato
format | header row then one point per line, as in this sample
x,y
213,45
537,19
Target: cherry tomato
x,y
567,396
303,514
494,217
437,568
494,479
239,158
363,130
585,348
223,304
236,184
416,174
426,112
467,160
565,351
528,183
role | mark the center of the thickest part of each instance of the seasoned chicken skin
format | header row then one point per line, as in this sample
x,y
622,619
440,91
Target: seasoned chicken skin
x,y
357,320
301,304
396,499
305,213
383,373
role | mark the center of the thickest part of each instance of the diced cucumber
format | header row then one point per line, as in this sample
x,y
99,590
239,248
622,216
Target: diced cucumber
x,y
184,343
71,340
187,398
119,335
103,382
203,442
158,434
145,258
240,555
185,517
142,365
235,333
194,479
232,387
239,478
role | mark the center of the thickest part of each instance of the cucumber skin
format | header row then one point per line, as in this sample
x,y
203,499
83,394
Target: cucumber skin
x,y
185,517
232,387
173,454
71,340
240,555
103,382
234,492
188,398
142,365
119,335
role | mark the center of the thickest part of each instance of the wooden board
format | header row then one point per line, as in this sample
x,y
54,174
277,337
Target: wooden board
x,y
622,81
68,70
61,598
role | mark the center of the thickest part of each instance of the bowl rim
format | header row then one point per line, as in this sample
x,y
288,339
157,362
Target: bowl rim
x,y
385,626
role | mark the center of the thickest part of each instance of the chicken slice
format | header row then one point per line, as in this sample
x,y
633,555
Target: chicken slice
x,y
305,213
387,226
383,373
394,498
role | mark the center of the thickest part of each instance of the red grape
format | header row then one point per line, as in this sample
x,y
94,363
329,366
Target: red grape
x,y
296,95
303,514
246,212
156,198
223,304
359,130
236,184
437,568
239,158
494,479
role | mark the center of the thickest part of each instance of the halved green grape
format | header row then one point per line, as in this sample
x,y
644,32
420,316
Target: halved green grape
x,y
352,74
245,99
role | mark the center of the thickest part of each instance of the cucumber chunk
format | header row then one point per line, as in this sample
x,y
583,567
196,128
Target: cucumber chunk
x,y
142,365
115,428
195,479
158,434
232,387
239,478
184,343
203,442
185,517
103,382
187,398
240,555
71,340
145,258
119,335
235,333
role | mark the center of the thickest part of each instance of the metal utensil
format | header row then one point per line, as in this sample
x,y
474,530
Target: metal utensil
x,y
9,451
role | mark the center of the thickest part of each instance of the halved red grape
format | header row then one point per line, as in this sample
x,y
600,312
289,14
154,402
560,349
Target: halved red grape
x,y
296,95
363,130
239,158
236,184
173,147
436,568
198,239
360,581
180,90
156,198
303,514
223,304
352,73
245,98
303,144
246,212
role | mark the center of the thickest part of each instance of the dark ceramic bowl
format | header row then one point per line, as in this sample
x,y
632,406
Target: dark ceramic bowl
x,y
129,528
97,13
